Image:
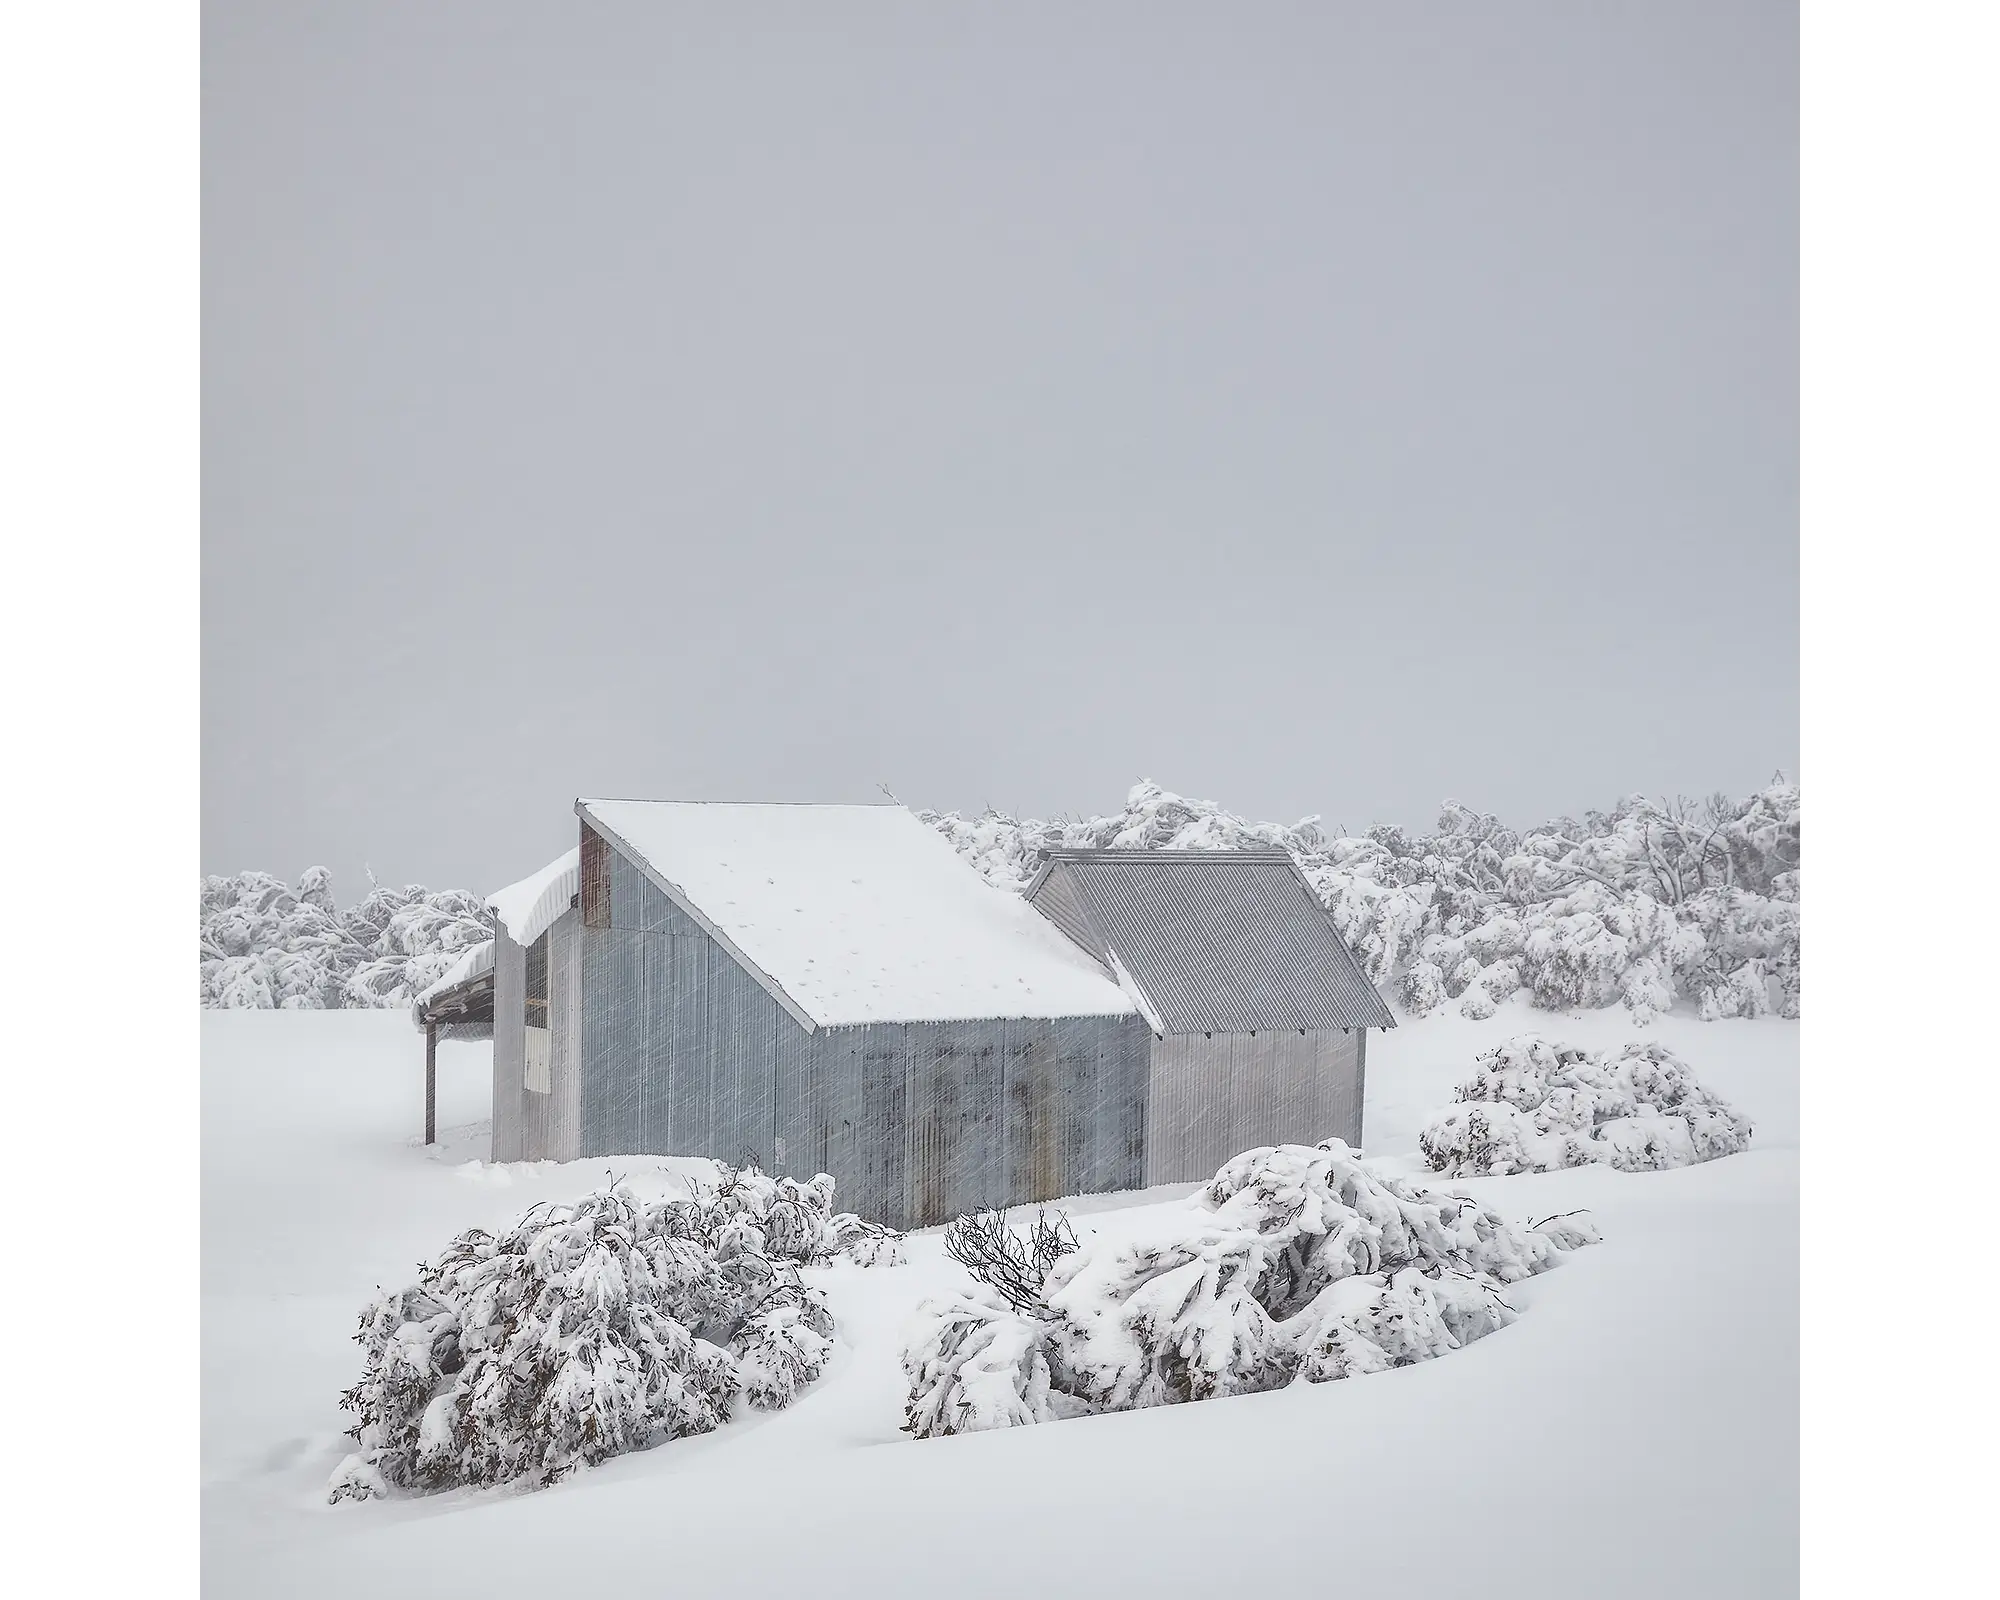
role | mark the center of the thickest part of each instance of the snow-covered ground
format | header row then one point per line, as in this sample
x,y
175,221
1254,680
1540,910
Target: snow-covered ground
x,y
1634,1434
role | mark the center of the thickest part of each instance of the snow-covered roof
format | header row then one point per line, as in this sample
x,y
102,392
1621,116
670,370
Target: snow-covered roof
x,y
477,960
857,914
527,909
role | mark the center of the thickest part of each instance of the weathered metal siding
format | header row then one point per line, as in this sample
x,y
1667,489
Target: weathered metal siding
x,y
509,1050
916,1121
1213,1097
957,1099
743,1061
799,1085
562,1126
926,1120
881,1131
681,1051
616,1043
1355,1112
529,1124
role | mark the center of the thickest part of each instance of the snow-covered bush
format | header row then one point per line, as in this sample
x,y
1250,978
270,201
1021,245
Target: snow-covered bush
x,y
1294,1262
265,947
1535,1105
1637,906
792,1220
588,1330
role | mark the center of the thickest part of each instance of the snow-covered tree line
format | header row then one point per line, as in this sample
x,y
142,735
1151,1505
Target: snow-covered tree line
x,y
1640,905
588,1330
1538,1105
265,946
1294,1263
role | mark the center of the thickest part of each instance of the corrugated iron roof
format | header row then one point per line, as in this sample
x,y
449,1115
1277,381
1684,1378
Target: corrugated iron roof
x,y
1217,941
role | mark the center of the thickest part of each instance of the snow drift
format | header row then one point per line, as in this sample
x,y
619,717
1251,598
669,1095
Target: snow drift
x,y
1293,1263
1535,1105
1637,906
588,1330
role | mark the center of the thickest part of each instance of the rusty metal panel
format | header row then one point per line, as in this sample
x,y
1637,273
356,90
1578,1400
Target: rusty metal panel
x,y
594,878
961,1118
1037,1164
883,1130
934,1116
1074,1049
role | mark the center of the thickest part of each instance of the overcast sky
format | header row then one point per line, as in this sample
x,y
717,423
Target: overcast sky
x,y
1319,408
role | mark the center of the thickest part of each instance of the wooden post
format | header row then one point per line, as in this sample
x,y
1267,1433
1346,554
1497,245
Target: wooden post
x,y
430,1083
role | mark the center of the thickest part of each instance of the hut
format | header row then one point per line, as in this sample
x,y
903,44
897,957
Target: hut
x,y
1258,1011
829,988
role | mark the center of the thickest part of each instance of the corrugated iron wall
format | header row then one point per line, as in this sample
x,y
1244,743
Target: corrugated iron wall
x,y
663,1044
529,1125
509,1039
1212,1097
682,1052
560,1113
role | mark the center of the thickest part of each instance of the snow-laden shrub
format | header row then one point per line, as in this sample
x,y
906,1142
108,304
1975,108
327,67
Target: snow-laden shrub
x,y
588,1330
267,947
1638,906
1536,1105
793,1220
1294,1262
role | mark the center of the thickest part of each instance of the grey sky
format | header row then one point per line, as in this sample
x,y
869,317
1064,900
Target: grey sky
x,y
1320,408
